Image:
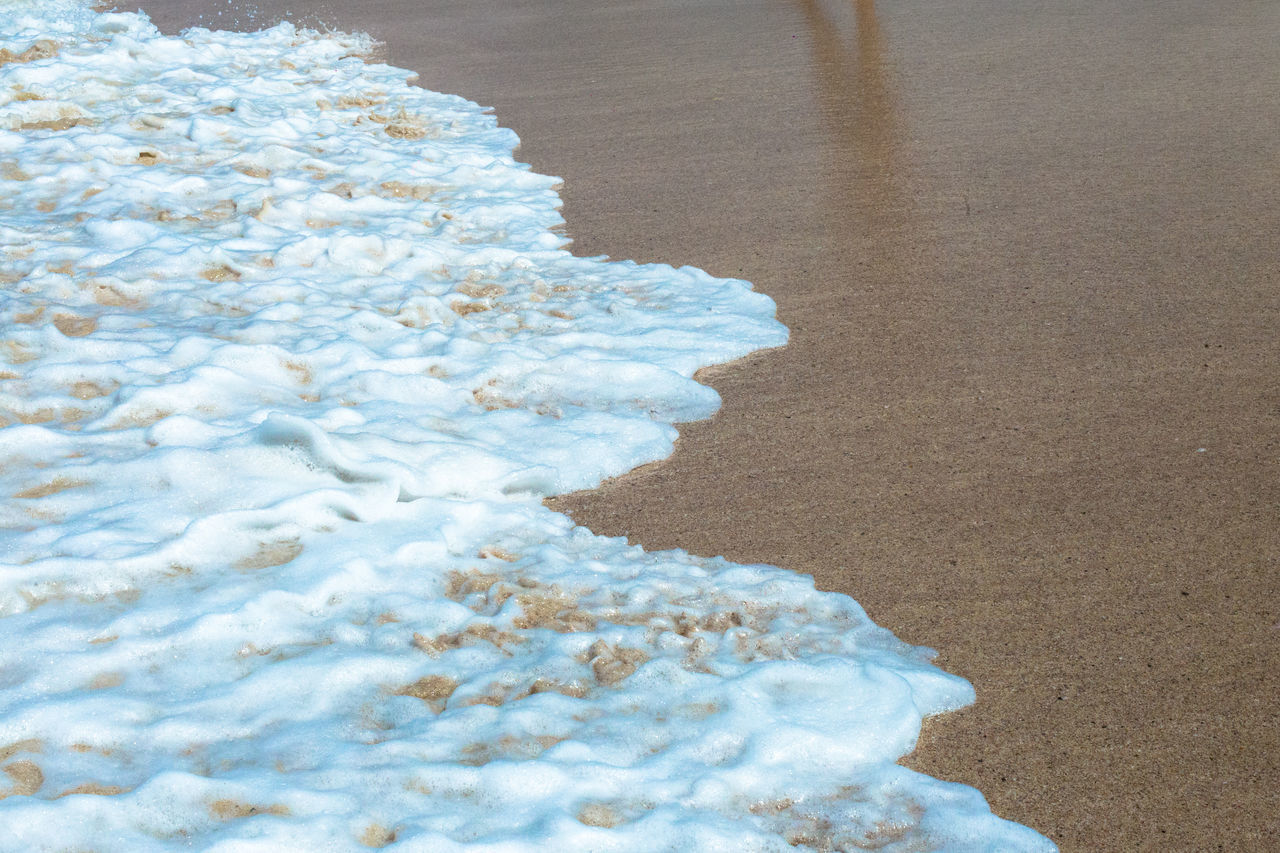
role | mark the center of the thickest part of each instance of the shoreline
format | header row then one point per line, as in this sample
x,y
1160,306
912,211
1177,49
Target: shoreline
x,y
1027,276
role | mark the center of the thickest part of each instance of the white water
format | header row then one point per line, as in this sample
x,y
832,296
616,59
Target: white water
x,y
290,354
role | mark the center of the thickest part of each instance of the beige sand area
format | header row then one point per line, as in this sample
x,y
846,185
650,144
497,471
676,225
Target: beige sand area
x,y
1029,251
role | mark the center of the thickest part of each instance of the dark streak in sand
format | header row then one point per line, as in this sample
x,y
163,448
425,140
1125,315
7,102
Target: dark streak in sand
x,y
1029,251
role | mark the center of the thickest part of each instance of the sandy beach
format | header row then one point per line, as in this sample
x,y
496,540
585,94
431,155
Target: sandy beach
x,y
1029,253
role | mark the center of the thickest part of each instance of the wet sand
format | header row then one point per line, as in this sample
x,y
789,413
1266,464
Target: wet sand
x,y
1030,416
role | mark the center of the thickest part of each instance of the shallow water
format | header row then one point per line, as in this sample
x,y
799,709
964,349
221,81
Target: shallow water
x,y
294,354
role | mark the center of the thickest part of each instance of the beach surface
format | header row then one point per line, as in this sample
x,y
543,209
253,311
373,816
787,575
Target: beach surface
x,y
1029,253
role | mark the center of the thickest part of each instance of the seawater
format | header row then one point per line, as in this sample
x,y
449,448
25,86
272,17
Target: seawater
x,y
290,353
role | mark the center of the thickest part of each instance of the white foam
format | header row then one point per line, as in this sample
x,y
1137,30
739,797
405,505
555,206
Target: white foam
x,y
292,351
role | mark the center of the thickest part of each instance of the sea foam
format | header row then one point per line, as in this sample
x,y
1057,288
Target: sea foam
x,y
292,350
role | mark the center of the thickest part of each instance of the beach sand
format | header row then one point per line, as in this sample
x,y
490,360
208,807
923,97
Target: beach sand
x,y
1030,415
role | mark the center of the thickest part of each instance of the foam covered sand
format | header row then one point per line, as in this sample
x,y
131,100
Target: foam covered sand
x,y
291,352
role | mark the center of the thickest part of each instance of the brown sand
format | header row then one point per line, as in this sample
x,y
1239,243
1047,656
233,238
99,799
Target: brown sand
x,y
1029,251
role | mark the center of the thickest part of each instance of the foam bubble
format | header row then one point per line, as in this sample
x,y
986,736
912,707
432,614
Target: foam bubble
x,y
291,352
